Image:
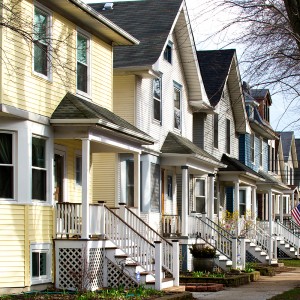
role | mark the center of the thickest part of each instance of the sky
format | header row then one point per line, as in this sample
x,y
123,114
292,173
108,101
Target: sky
x,y
205,23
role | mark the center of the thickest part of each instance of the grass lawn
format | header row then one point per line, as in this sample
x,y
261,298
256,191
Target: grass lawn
x,y
290,262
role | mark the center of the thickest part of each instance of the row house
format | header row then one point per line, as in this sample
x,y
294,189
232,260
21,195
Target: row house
x,y
56,117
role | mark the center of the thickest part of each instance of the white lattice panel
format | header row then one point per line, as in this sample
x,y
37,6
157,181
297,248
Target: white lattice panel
x,y
96,268
117,277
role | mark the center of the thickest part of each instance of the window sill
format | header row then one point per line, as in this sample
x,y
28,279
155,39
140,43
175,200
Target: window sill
x,y
43,77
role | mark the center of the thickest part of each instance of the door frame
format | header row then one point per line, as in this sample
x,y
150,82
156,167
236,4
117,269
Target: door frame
x,y
62,151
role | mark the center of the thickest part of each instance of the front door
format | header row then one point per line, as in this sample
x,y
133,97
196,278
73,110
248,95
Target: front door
x,y
59,160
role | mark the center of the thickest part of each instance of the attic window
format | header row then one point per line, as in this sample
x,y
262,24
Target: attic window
x,y
168,52
266,112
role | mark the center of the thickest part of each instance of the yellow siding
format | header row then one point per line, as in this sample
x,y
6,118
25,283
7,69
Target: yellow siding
x,y
124,97
104,178
21,225
25,90
12,245
102,73
72,147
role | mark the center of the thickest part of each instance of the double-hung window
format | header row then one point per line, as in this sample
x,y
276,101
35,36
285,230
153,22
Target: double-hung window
x,y
177,106
39,171
78,170
83,44
157,99
252,147
40,263
168,52
6,166
261,152
41,43
216,130
242,208
228,136
130,183
200,195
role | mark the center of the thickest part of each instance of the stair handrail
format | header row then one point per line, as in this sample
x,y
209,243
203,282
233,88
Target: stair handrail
x,y
259,237
220,240
135,245
152,236
294,227
287,234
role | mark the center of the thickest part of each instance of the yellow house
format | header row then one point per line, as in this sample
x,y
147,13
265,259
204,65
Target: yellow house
x,y
55,120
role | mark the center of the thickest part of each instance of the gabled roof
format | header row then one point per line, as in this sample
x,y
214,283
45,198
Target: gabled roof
x,y
270,179
286,139
177,144
234,164
150,21
219,67
297,142
215,67
153,22
75,110
259,93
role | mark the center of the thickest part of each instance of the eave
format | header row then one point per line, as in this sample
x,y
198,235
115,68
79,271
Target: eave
x,y
264,131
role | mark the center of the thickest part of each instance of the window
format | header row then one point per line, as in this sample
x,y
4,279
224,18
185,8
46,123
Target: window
x,y
260,152
170,186
228,136
291,176
41,43
168,52
216,130
242,194
40,263
177,107
130,183
39,173
155,188
78,170
157,99
200,195
266,112
252,148
82,63
6,166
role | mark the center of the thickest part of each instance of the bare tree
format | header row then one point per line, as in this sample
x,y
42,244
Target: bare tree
x,y
19,27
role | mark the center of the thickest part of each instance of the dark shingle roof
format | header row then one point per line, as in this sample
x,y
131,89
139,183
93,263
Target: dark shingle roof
x,y
234,164
177,144
214,67
286,140
259,93
297,141
150,21
74,107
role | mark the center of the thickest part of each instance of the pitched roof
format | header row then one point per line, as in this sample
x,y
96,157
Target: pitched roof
x,y
259,93
215,67
272,179
150,21
297,141
286,140
75,108
234,164
177,144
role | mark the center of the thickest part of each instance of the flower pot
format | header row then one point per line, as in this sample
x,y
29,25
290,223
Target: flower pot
x,y
203,264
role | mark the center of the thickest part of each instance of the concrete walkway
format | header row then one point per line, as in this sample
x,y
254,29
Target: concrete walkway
x,y
265,288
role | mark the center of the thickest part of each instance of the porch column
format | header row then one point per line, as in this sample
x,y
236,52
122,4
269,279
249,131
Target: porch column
x,y
253,199
236,207
211,191
184,171
270,210
281,208
137,182
85,188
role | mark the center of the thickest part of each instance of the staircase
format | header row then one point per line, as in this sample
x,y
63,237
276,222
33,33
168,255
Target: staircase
x,y
288,238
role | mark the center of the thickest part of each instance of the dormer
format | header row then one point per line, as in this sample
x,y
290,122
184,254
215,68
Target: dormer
x,y
263,97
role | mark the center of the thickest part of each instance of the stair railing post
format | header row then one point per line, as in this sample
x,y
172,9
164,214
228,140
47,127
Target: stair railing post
x,y
122,212
243,253
234,252
158,265
102,218
275,247
176,262
203,230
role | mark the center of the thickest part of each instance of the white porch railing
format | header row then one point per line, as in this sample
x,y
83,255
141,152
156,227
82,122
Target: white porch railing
x,y
171,225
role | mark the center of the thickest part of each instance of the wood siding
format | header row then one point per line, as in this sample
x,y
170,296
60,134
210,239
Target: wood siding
x,y
26,90
21,225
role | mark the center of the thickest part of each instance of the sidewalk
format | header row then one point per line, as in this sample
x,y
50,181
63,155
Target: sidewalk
x,y
263,289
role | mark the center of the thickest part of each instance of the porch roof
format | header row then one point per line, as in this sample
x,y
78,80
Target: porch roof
x,y
176,144
74,110
272,180
234,165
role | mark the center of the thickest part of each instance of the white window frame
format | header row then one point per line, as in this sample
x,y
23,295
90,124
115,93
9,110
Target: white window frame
x,y
169,47
42,248
13,164
261,150
177,88
39,168
49,44
216,130
252,148
201,197
156,99
77,155
228,136
88,38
